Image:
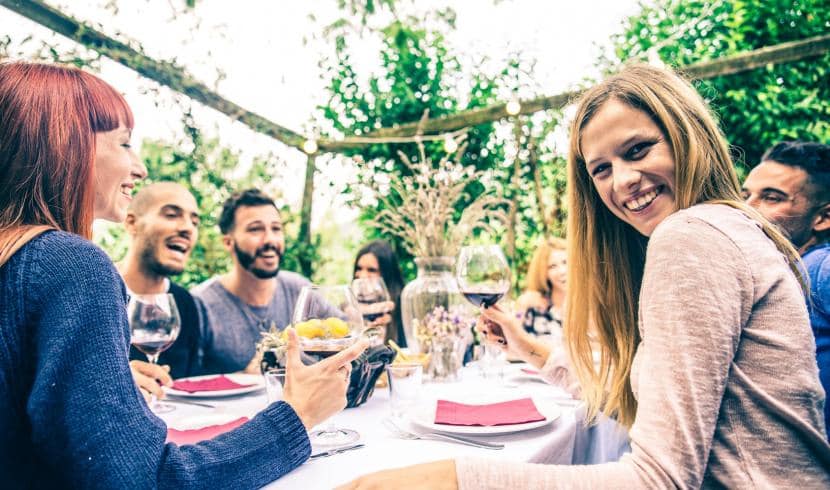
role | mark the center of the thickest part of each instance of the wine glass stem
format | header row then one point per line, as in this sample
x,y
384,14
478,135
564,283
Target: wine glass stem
x,y
153,359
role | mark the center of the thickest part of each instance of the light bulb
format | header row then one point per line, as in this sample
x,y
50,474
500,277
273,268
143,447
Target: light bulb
x,y
450,144
513,107
310,146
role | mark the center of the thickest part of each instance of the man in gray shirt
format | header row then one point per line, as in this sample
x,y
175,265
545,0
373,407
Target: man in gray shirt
x,y
254,294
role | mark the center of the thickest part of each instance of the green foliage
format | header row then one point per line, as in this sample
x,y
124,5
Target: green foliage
x,y
419,75
757,108
211,173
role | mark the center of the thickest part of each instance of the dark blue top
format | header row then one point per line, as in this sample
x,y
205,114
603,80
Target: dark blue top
x,y
70,413
817,262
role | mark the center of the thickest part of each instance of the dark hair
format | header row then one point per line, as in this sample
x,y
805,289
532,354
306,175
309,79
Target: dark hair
x,y
246,198
813,158
390,271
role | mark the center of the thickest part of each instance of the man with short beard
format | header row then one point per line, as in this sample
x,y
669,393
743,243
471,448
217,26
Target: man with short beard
x,y
255,294
162,222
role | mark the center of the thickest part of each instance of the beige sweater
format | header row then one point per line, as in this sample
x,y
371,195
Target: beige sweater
x,y
725,376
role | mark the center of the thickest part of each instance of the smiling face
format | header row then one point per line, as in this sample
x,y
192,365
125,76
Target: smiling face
x,y
257,240
117,168
164,235
631,165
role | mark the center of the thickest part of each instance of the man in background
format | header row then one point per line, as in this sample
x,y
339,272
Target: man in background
x,y
162,222
791,188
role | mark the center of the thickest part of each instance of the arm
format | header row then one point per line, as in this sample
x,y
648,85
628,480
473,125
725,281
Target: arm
x,y
87,416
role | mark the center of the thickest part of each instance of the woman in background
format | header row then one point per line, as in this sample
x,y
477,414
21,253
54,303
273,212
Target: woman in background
x,y
377,259
542,305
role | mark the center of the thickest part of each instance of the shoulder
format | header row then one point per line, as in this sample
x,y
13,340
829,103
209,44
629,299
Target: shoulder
x,y
292,280
207,291
531,299
60,255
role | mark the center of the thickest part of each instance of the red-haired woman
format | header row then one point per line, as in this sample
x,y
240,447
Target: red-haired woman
x,y
70,413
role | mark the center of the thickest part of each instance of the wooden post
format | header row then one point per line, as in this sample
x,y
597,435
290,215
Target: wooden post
x,y
304,235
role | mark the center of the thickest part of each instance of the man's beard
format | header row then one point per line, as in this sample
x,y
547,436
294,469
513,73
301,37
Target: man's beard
x,y
246,260
151,264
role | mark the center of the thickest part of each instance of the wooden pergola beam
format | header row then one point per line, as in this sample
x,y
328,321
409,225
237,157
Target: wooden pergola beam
x,y
729,65
176,78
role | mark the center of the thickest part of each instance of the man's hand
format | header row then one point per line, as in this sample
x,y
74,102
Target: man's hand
x,y
318,391
148,376
439,475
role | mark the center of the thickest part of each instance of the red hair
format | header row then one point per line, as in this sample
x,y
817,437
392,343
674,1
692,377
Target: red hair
x,y
50,115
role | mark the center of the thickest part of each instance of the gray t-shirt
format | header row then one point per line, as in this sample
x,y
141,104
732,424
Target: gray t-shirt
x,y
233,327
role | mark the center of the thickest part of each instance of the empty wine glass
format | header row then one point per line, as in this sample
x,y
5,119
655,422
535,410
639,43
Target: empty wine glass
x,y
154,326
483,276
374,301
327,320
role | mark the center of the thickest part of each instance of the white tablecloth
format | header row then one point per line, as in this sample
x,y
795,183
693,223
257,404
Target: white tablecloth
x,y
566,441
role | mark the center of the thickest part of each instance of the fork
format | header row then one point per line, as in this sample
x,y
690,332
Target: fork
x,y
435,436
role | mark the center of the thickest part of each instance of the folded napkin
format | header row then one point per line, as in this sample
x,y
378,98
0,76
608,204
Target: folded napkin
x,y
193,436
530,371
505,413
218,383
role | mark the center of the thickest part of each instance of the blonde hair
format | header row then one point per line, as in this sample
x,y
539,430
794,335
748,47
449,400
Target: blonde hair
x,y
605,274
537,270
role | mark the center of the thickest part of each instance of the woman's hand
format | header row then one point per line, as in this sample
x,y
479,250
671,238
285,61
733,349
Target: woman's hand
x,y
150,377
318,391
506,331
439,475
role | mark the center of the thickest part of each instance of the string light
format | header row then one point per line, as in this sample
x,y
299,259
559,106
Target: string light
x,y
310,146
513,107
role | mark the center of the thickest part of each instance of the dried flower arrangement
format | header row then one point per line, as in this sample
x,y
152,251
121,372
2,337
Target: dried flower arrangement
x,y
275,343
420,208
440,323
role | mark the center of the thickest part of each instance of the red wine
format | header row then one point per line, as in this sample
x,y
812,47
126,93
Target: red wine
x,y
151,343
485,298
372,310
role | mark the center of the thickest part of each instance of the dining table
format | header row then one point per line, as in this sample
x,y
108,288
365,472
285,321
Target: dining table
x,y
564,438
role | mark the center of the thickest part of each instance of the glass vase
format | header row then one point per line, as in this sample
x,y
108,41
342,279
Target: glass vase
x,y
435,315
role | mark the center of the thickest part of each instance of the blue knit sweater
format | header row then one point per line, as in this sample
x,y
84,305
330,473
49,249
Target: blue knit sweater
x,y
70,413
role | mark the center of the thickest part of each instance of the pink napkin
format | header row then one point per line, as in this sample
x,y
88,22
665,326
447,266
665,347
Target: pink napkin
x,y
193,436
218,383
529,371
505,413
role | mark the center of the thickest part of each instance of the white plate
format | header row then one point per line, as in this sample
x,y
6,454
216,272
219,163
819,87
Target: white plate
x,y
424,416
255,380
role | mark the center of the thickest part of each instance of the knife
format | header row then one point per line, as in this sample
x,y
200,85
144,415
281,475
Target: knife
x,y
332,452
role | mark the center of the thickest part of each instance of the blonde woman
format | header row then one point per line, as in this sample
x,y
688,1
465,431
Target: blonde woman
x,y
542,304
706,348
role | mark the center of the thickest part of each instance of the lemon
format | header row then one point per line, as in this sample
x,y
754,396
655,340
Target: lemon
x,y
311,329
336,327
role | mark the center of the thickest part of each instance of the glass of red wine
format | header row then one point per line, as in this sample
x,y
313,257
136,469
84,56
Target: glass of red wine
x,y
374,302
483,277
327,320
154,326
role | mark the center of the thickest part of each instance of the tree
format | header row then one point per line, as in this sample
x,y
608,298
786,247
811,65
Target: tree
x,y
757,108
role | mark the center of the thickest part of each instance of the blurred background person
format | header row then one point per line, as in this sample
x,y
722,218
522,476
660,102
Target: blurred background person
x,y
542,304
377,259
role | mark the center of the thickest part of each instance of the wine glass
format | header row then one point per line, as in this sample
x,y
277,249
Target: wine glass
x,y
483,276
327,320
374,301
154,326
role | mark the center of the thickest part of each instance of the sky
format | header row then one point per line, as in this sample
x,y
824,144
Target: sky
x,y
269,51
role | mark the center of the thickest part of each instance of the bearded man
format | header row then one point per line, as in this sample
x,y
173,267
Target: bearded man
x,y
255,294
162,222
